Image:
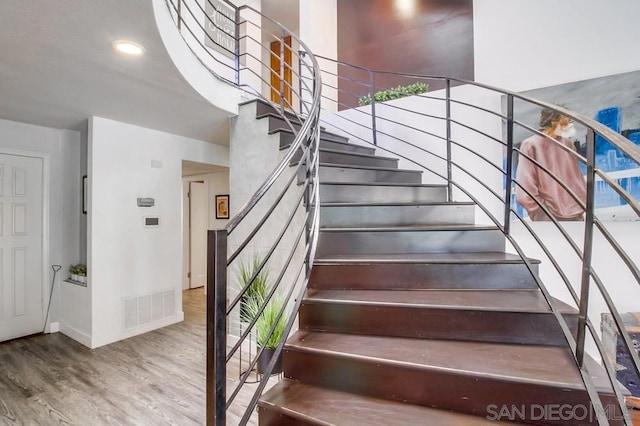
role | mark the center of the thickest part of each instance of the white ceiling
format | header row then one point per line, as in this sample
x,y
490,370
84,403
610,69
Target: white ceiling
x,y
285,12
57,68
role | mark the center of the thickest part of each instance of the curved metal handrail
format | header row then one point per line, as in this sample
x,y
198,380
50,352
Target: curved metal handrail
x,y
306,140
583,251
292,191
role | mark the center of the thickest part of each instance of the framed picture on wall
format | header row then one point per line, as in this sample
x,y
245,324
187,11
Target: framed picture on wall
x,y
222,206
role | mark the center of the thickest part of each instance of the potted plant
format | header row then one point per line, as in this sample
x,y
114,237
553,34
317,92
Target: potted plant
x,y
81,270
73,271
258,288
267,320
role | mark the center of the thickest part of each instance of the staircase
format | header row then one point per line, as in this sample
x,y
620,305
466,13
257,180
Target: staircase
x,y
414,314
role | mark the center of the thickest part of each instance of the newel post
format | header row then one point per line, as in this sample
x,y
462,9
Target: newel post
x,y
216,327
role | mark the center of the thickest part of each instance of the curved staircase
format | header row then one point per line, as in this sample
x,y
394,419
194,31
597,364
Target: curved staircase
x,y
414,314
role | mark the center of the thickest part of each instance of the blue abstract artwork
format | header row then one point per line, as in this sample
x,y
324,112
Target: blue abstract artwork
x,y
613,101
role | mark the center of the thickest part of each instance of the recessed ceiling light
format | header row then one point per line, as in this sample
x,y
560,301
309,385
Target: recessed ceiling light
x,y
127,47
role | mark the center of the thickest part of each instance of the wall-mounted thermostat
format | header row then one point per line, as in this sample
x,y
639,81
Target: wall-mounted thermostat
x,y
146,202
151,221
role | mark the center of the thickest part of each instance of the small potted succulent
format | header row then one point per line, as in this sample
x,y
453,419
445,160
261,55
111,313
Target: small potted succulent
x,y
78,273
81,270
73,272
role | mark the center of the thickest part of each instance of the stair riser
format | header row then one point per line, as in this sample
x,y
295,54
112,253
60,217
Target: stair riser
x,y
432,241
329,142
339,158
434,323
381,276
350,159
381,194
353,216
263,109
346,174
443,389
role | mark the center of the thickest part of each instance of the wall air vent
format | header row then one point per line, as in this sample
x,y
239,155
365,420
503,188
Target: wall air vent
x,y
149,308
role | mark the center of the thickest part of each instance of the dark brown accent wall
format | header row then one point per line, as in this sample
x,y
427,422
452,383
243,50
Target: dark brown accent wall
x,y
436,39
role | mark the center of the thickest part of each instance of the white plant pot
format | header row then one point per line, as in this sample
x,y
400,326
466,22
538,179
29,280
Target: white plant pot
x,y
82,279
75,277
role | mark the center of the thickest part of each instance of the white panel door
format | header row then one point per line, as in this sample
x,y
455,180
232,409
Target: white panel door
x,y
199,223
21,286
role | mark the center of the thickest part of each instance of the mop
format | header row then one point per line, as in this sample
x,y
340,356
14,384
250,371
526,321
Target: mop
x,y
55,268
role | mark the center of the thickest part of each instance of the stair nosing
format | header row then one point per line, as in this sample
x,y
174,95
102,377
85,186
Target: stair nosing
x,y
412,365
398,184
450,307
373,168
563,308
268,404
325,132
291,413
428,258
358,154
414,228
396,204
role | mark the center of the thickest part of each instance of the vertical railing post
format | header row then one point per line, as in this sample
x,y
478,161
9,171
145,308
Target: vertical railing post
x,y
448,130
179,15
237,45
301,54
282,48
308,195
588,248
372,81
509,166
216,396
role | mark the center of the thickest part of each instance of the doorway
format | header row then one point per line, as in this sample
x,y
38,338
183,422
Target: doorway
x,y
198,225
200,184
281,73
21,246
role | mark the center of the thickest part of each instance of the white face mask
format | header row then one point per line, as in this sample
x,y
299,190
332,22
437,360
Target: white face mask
x,y
567,131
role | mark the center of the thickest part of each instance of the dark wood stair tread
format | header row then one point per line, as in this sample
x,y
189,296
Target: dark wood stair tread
x,y
389,184
430,258
313,404
437,227
373,204
356,154
375,168
548,365
489,300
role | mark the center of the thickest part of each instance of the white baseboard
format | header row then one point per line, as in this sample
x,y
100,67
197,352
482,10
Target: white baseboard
x,y
77,335
53,327
178,317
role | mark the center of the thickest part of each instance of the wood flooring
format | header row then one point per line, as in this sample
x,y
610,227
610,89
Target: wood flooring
x,y
157,378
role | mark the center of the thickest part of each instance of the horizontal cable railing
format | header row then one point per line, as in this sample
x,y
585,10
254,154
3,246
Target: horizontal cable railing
x,y
471,146
258,266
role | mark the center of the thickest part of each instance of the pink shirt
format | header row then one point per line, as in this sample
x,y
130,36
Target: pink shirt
x,y
542,186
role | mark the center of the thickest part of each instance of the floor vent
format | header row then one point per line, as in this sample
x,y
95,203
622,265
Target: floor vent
x,y
152,307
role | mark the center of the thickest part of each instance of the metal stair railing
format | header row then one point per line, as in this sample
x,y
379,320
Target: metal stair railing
x,y
280,218
384,124
372,125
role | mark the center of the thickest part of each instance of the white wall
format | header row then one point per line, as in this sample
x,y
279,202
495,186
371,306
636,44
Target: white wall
x,y
429,133
319,31
522,45
125,259
62,147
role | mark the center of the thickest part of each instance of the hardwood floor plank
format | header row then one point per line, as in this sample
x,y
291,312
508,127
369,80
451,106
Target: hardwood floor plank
x,y
157,378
